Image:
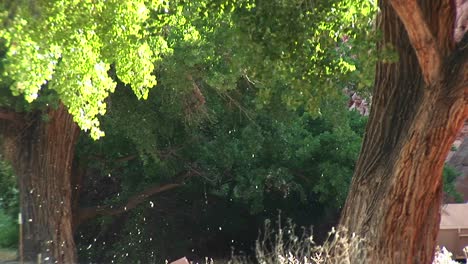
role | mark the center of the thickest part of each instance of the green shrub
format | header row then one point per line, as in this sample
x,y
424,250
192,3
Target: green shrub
x,y
9,202
450,176
8,231
9,206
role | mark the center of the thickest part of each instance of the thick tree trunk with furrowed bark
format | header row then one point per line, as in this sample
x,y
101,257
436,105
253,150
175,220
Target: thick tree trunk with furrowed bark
x,y
41,153
419,105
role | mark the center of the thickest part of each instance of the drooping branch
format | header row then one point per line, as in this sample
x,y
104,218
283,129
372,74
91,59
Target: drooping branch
x,y
421,38
88,213
9,115
127,158
103,159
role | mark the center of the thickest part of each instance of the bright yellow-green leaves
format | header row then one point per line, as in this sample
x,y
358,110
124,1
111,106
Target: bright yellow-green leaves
x,y
301,52
70,46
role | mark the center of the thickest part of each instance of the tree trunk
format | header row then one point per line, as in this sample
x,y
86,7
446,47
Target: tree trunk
x,y
417,110
42,153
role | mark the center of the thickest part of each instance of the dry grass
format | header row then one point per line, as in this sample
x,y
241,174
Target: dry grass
x,y
7,255
285,246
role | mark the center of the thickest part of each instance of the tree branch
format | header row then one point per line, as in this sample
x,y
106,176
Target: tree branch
x,y
9,115
421,38
103,159
85,214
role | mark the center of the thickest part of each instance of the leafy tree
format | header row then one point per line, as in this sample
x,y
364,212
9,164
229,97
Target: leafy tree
x,y
59,53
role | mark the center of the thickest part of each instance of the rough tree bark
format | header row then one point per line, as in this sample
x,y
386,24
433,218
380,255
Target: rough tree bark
x,y
41,153
419,105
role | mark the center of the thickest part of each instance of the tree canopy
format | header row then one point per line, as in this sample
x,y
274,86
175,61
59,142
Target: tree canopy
x,y
79,49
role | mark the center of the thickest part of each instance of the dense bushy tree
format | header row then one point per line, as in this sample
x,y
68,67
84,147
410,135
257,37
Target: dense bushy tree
x,y
258,160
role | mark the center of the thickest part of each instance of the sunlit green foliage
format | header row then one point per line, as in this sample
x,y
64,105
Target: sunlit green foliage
x,y
71,46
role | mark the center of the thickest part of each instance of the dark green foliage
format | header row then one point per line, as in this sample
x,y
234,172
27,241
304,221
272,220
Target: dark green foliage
x,y
249,161
8,190
8,206
450,176
8,231
268,155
